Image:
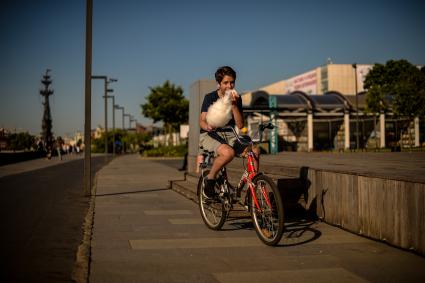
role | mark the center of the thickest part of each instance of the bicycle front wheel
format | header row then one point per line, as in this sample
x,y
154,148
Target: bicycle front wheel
x,y
212,211
267,210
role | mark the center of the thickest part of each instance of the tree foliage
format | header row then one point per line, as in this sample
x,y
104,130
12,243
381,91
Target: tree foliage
x,y
122,137
166,103
399,82
21,141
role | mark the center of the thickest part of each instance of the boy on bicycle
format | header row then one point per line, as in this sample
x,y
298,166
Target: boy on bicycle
x,y
223,144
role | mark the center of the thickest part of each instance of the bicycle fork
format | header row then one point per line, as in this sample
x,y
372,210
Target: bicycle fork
x,y
255,199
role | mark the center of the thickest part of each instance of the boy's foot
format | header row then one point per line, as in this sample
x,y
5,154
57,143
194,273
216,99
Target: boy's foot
x,y
209,185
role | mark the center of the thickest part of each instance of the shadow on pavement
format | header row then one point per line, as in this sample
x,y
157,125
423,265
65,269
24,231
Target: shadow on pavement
x,y
133,192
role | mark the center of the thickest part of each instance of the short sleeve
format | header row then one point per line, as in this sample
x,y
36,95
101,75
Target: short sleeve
x,y
206,103
239,103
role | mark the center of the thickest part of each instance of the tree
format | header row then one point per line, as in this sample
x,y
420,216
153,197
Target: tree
x,y
399,82
21,141
125,138
166,103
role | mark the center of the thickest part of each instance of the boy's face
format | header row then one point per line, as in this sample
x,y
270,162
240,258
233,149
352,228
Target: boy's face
x,y
227,83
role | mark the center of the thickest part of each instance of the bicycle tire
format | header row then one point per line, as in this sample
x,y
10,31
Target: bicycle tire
x,y
212,211
268,219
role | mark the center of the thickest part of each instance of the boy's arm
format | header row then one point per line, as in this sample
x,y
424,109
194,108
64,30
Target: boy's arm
x,y
203,122
237,113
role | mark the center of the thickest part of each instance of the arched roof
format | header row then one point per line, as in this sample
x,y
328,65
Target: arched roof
x,y
259,100
300,101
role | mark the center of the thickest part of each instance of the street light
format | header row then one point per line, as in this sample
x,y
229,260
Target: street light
x,y
122,108
87,99
129,120
113,123
133,120
106,90
357,107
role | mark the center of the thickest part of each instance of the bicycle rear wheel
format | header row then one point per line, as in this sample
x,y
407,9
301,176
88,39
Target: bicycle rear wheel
x,y
267,210
212,210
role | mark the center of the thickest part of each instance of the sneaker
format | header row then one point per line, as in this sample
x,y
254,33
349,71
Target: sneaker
x,y
209,185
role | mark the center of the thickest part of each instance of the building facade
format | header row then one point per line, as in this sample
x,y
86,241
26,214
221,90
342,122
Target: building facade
x,y
324,109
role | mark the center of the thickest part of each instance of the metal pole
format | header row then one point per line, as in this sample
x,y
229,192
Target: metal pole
x,y
87,104
357,107
113,125
122,108
129,122
106,117
123,128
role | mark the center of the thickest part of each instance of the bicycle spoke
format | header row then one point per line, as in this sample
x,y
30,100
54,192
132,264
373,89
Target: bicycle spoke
x,y
267,211
212,210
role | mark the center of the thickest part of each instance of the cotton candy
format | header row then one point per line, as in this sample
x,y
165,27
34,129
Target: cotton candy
x,y
220,113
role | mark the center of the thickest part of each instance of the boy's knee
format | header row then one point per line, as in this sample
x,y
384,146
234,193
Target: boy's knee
x,y
227,151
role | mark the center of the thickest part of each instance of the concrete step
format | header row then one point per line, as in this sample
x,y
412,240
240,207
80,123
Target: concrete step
x,y
291,181
192,178
185,188
291,187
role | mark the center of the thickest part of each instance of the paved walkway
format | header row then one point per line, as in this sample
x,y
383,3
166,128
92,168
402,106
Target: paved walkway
x,y
144,232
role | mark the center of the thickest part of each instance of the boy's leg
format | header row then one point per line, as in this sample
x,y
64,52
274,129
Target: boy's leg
x,y
225,154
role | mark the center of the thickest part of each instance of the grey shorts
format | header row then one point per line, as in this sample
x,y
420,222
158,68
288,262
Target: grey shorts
x,y
211,141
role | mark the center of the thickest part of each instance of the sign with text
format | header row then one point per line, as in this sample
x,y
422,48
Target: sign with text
x,y
306,82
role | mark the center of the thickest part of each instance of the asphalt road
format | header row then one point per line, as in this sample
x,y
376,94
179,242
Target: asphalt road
x,y
42,216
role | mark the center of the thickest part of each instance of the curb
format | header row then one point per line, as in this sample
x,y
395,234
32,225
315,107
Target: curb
x,y
81,270
161,157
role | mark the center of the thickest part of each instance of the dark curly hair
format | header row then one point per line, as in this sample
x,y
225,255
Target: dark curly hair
x,y
224,71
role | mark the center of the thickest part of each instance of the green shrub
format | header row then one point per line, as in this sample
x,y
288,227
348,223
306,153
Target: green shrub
x,y
166,151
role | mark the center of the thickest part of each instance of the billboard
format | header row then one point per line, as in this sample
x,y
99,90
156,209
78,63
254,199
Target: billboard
x,y
362,71
306,82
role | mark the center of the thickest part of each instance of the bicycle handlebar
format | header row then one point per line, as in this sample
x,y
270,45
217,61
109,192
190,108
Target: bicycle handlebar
x,y
261,129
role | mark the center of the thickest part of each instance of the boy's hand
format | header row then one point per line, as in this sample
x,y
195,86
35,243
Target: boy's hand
x,y
235,95
209,128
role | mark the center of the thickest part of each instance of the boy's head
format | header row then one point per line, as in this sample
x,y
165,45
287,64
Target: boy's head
x,y
224,71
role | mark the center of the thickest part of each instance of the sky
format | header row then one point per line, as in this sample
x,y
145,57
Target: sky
x,y
144,43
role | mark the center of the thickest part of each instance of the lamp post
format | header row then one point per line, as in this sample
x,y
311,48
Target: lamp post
x,y
87,99
106,90
133,120
357,106
113,123
129,120
122,108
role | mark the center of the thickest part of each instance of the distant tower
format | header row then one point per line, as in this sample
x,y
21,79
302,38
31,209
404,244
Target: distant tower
x,y
46,124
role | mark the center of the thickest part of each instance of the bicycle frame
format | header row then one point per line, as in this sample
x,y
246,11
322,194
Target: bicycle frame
x,y
248,175
261,196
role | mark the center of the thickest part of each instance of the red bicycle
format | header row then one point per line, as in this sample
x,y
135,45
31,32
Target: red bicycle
x,y
255,191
